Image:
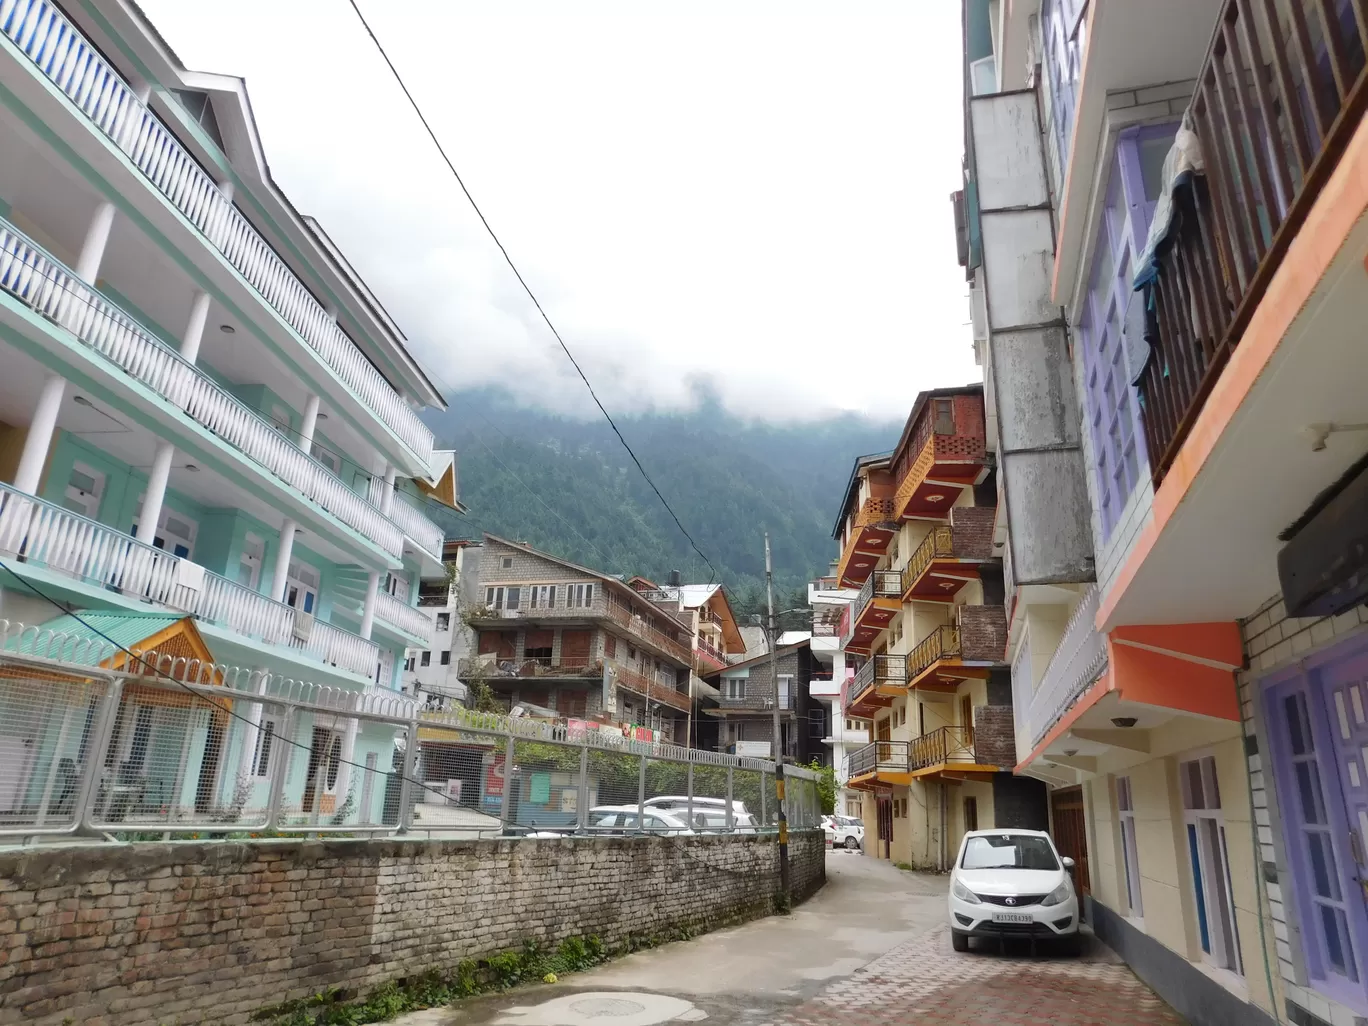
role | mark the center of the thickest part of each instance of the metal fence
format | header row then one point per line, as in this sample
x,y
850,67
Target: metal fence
x,y
97,741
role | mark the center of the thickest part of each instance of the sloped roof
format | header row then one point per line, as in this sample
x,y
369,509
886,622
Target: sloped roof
x,y
92,638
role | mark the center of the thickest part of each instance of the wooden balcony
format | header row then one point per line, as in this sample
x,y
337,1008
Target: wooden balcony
x,y
880,600
664,694
871,529
1280,93
949,557
875,685
936,468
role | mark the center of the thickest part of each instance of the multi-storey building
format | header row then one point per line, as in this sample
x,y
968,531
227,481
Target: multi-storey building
x,y
744,709
577,643
1163,224
846,732
928,632
203,411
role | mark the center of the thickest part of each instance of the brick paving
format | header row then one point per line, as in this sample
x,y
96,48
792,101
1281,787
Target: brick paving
x,y
924,982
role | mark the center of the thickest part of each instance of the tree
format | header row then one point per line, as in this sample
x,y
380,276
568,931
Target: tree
x,y
826,786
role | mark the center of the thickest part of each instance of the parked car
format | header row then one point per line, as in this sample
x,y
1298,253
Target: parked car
x,y
844,832
626,819
1012,883
677,802
712,820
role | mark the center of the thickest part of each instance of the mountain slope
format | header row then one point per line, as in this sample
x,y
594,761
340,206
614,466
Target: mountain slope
x,y
728,480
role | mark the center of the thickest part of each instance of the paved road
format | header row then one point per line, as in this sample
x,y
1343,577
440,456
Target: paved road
x,y
870,949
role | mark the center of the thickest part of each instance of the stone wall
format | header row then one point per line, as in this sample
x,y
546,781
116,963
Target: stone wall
x,y
185,933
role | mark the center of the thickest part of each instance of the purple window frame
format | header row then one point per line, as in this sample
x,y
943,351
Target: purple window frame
x,y
1111,402
1064,40
1305,681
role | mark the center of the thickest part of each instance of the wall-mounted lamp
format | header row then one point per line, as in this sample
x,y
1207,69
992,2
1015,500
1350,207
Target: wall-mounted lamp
x,y
1123,721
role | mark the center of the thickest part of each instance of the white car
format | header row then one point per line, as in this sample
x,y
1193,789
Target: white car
x,y
1012,883
844,832
677,802
623,819
709,814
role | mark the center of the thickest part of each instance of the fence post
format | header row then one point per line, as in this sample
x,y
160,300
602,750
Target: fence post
x,y
764,799
641,795
280,769
406,798
688,778
731,815
583,817
95,756
504,802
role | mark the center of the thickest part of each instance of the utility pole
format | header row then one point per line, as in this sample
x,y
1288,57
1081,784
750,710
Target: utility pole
x,y
778,744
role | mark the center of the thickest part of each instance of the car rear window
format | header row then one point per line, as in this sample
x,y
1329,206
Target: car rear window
x,y
1008,851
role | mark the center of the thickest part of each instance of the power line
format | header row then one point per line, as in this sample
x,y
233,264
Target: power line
x,y
526,288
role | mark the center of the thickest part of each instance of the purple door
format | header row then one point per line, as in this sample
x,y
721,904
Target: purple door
x,y
1318,726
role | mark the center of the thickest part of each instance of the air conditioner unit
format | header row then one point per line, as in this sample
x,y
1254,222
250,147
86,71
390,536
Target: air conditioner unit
x,y
1323,568
303,626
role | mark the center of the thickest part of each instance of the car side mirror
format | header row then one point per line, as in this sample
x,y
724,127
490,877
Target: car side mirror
x,y
1068,862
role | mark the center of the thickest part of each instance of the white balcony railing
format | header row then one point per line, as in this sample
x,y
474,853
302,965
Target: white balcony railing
x,y
51,289
408,619
46,535
46,37
1078,661
427,535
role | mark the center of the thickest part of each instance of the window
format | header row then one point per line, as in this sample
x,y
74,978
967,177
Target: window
x,y
945,416
541,596
425,659
1130,852
1009,851
397,585
446,657
1210,864
503,598
249,562
508,562
175,532
261,762
1064,28
409,663
301,586
84,488
785,690
579,596
444,621
734,688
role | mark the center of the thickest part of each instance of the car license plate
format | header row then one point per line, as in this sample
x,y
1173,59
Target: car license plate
x,y
1011,917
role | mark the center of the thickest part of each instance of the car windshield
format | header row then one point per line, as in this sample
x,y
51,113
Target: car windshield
x,y
1008,851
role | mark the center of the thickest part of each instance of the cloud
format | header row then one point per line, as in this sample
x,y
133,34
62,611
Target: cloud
x,y
746,199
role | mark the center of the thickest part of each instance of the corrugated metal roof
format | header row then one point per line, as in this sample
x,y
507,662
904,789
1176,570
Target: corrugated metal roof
x,y
92,638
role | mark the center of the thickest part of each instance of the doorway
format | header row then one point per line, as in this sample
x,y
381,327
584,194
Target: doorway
x,y
884,817
1070,833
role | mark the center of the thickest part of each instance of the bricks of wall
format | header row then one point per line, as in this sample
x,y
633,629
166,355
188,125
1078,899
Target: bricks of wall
x,y
983,633
210,933
994,736
973,531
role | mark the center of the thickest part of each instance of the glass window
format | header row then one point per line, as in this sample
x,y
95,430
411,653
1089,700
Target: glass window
x,y
1130,848
425,659
446,658
1210,863
1008,851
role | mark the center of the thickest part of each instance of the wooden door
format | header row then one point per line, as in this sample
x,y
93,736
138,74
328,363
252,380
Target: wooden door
x,y
885,824
1070,833
967,718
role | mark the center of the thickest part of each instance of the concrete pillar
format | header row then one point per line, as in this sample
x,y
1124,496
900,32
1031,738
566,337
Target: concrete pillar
x,y
368,611
96,239
348,754
387,496
194,329
282,563
156,492
309,423
39,438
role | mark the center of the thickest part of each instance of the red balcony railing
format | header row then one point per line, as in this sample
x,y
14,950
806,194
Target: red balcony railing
x,y
1280,94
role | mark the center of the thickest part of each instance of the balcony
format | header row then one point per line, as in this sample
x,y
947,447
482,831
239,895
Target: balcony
x,y
708,658
66,545
1274,108
880,600
875,685
868,534
949,557
950,753
78,70
417,527
755,699
1076,664
408,620
884,762
653,690
50,289
937,465
952,654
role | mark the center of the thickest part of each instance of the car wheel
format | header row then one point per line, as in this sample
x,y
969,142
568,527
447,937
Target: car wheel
x,y
959,941
852,843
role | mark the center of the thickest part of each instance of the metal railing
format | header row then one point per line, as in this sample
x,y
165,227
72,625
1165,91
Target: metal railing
x,y
409,619
938,544
941,643
1080,659
40,281
416,525
1279,95
879,584
44,35
182,747
647,687
43,534
889,756
945,746
878,670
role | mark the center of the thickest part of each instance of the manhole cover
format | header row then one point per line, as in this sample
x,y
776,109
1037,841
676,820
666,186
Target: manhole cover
x,y
599,1007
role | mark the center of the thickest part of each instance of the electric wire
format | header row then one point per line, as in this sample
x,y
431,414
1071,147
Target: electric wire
x,y
526,288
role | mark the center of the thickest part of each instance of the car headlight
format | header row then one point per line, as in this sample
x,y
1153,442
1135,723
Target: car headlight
x,y
1058,895
964,893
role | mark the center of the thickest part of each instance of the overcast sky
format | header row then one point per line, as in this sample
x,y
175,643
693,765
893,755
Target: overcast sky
x,y
745,197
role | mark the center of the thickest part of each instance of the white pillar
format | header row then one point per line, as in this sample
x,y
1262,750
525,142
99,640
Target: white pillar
x,y
309,423
97,237
368,611
387,496
282,563
252,730
344,766
194,330
156,492
39,438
